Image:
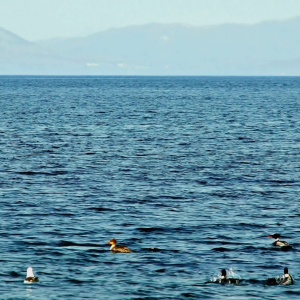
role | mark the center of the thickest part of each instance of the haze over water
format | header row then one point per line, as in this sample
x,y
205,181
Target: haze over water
x,y
191,173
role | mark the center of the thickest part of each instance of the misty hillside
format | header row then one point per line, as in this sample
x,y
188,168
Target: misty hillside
x,y
268,48
18,56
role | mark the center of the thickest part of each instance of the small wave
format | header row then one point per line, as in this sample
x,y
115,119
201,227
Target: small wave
x,y
151,229
153,249
57,253
282,182
72,244
66,244
33,173
100,209
222,249
29,243
14,274
293,292
189,295
160,270
173,197
202,182
76,281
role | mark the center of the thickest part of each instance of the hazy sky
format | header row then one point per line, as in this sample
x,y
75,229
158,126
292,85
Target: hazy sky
x,y
43,19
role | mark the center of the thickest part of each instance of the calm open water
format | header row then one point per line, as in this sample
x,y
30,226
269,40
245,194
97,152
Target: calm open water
x,y
191,173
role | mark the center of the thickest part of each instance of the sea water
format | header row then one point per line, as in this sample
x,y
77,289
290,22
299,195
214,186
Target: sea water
x,y
191,173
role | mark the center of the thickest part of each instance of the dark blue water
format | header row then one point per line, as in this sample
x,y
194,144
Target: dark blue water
x,y
191,173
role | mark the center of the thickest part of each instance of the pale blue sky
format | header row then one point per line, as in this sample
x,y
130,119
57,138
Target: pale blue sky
x,y
43,19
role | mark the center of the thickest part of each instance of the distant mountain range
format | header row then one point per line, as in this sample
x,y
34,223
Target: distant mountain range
x,y
267,48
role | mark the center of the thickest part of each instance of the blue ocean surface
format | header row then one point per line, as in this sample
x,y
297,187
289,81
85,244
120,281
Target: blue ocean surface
x,y
191,173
